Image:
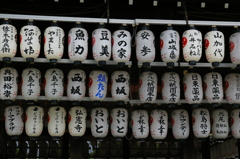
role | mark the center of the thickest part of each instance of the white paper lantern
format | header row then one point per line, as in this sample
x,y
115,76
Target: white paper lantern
x,y
54,78
53,43
220,127
99,122
30,38
101,45
140,124
8,83
120,85
145,45
148,87
234,45
192,45
201,122
8,41
213,87
170,87
193,91
56,121
31,84
77,121
180,124
78,43
214,46
98,81
34,121
119,122
235,123
169,46
13,120
232,88
159,124
121,46
76,87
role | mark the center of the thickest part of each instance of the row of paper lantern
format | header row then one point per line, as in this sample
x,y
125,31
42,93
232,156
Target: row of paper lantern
x,y
141,126
30,37
98,81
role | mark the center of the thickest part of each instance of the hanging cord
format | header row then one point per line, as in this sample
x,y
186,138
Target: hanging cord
x,y
185,11
134,34
108,11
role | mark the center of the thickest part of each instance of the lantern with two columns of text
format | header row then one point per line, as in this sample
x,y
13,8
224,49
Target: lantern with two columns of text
x,y
170,87
31,80
213,88
121,46
140,124
99,122
232,88
101,44
180,124
76,85
54,42
158,124
234,45
119,122
120,85
34,121
30,40
8,83
77,121
220,127
235,123
8,40
148,87
145,46
169,46
201,122
192,45
214,46
56,121
97,84
78,43
13,116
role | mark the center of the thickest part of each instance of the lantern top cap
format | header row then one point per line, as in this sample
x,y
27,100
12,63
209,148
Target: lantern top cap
x,y
78,22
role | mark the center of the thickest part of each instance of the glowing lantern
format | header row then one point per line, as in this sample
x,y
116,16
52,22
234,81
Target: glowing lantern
x,y
170,87
192,45
140,124
101,44
56,121
159,124
169,46
13,120
31,84
213,87
201,122
8,83
220,128
232,88
119,122
234,44
214,46
34,121
98,85
180,124
77,121
99,122
193,91
30,38
53,43
78,43
145,46
121,46
120,85
8,41
54,78
76,87
148,87
235,123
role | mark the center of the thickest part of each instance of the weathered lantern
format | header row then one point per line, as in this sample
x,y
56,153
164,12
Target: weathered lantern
x,y
235,123
99,122
232,88
234,44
